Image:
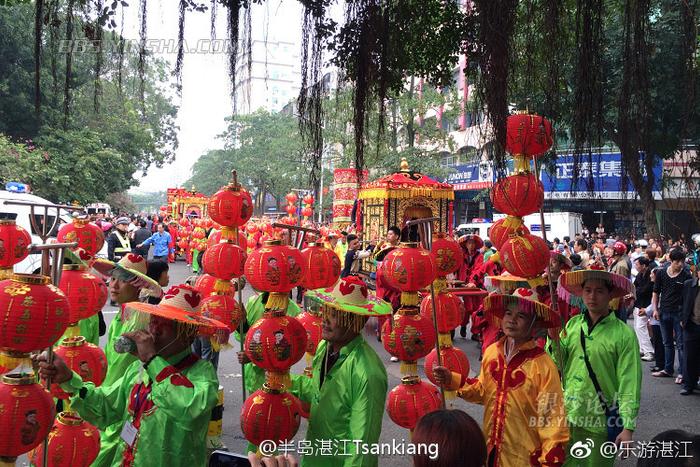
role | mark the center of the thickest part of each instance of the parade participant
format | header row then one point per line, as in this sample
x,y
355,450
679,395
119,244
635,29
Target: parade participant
x,y
342,248
384,290
355,255
159,271
519,386
481,330
161,241
473,259
173,231
601,370
348,388
164,400
118,242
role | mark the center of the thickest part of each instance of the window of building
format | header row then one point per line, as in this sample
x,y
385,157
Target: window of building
x,y
449,160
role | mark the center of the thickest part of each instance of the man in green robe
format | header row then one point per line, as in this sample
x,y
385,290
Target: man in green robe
x,y
163,401
612,351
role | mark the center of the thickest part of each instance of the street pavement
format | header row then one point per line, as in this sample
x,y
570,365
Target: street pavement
x,y
662,408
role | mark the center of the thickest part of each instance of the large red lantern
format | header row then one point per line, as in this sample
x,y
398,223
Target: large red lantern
x,y
528,135
518,195
86,359
88,235
275,342
275,267
411,337
525,256
216,237
410,400
452,358
73,442
14,246
199,233
183,244
448,309
86,293
33,313
224,260
223,308
270,414
184,222
503,229
322,267
448,254
409,268
292,198
307,212
205,284
27,414
312,325
291,209
231,206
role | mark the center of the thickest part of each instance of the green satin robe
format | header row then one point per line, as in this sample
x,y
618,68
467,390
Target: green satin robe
x,y
173,432
117,363
348,406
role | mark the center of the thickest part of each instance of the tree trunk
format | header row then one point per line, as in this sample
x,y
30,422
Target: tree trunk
x,y
649,208
410,130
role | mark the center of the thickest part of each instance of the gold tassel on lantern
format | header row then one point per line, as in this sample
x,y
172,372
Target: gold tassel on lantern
x,y
222,286
9,360
409,368
309,360
277,301
444,340
278,381
409,299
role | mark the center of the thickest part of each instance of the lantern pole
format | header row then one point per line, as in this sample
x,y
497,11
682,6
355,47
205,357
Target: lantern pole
x,y
425,227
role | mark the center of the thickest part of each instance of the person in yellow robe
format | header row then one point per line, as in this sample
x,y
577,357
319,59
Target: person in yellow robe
x,y
519,386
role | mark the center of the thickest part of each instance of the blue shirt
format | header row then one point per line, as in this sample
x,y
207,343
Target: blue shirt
x,y
160,242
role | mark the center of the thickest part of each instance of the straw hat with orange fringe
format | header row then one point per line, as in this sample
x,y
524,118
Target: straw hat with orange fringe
x,y
524,300
131,268
573,281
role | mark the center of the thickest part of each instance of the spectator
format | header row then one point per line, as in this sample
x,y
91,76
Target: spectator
x,y
644,289
488,250
600,231
458,438
581,249
354,255
140,236
161,244
656,340
690,323
666,302
576,262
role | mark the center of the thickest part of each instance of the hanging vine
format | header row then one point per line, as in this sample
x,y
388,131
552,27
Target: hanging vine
x,y
38,26
212,20
120,57
143,36
69,64
54,22
99,4
180,45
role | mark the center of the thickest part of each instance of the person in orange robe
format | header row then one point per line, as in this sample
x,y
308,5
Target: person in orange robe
x,y
473,261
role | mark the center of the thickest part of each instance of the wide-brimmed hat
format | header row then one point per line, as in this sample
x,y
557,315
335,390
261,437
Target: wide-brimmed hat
x,y
132,269
566,262
505,283
525,300
181,304
478,242
573,281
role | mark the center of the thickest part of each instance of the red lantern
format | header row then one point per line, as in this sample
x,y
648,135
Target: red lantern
x,y
84,358
308,199
73,442
88,235
231,206
528,135
411,337
184,222
525,256
199,233
312,325
322,267
275,342
223,308
205,284
503,229
216,237
183,244
224,260
409,268
86,293
448,254
410,400
33,313
518,195
275,267
192,244
292,198
307,212
200,246
291,209
452,358
251,227
448,309
252,243
269,414
27,414
14,246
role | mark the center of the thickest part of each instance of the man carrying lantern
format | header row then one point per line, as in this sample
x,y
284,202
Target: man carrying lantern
x,y
384,290
519,386
473,260
349,384
163,401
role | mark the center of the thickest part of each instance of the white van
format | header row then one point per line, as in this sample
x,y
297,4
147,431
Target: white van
x,y
557,224
20,213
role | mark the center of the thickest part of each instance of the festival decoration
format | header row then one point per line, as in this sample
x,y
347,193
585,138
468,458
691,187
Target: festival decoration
x,y
231,206
86,293
448,309
322,267
89,236
73,442
409,268
28,411
275,268
224,260
312,324
518,195
410,337
505,228
86,359
410,400
223,308
345,191
448,254
270,414
14,246
526,256
528,135
454,360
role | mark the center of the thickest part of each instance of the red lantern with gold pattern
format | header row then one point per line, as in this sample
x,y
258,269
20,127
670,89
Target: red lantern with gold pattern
x,y
275,342
73,442
307,212
224,260
409,268
518,195
223,308
528,135
216,237
448,254
86,293
292,198
322,267
231,206
27,414
525,256
410,400
452,358
88,235
312,325
448,309
183,244
33,313
269,414
86,359
411,337
503,229
275,267
14,246
205,284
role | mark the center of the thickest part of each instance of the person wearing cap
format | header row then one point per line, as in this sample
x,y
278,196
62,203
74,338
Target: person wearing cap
x,y
473,260
118,242
348,388
518,385
163,400
598,356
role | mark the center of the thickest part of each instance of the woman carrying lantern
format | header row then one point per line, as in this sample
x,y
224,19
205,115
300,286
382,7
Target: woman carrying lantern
x,y
473,261
349,384
519,386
